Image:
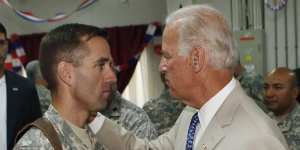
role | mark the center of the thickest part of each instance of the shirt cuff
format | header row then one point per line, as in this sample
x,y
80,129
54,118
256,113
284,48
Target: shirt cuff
x,y
97,123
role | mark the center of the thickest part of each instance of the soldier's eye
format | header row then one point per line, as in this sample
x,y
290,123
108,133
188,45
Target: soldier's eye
x,y
100,66
278,87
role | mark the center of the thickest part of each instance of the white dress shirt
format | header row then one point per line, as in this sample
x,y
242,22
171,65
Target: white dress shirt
x,y
3,98
210,108
205,114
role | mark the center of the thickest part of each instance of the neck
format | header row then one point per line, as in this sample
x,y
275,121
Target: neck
x,y
284,114
281,117
1,69
212,83
70,111
1,72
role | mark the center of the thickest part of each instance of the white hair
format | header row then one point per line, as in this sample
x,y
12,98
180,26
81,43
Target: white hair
x,y
204,27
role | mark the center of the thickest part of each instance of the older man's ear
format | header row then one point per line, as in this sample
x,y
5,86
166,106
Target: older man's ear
x,y
197,59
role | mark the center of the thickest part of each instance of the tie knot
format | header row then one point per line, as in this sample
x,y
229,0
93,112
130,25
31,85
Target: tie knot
x,y
195,118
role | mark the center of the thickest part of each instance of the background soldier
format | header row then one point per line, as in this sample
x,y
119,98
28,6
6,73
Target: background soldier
x,y
164,110
280,97
129,116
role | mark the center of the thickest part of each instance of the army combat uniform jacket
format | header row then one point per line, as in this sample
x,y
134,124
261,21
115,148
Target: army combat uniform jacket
x,y
34,139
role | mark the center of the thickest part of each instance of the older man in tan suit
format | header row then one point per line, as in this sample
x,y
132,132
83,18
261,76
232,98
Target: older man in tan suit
x,y
198,57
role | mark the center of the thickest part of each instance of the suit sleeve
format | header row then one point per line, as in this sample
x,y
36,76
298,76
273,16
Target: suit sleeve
x,y
265,142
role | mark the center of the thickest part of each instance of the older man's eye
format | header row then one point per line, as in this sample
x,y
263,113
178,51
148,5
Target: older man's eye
x,y
166,56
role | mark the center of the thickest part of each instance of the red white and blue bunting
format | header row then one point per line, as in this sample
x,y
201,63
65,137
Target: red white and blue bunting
x,y
16,55
29,16
152,35
276,5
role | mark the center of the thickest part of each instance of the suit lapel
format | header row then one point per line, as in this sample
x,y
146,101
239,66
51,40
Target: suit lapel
x,y
214,133
12,105
211,137
184,126
12,90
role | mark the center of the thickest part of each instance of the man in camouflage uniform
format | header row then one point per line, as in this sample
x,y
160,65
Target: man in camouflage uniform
x,y
76,62
280,97
164,110
297,72
66,133
34,73
252,83
129,116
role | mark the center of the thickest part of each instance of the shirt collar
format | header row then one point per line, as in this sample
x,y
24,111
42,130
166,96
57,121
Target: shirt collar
x,y
2,80
210,108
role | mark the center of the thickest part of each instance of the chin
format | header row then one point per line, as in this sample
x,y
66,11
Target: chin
x,y
175,94
103,107
172,92
272,108
97,107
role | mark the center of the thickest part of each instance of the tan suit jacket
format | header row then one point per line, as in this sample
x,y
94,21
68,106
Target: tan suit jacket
x,y
238,125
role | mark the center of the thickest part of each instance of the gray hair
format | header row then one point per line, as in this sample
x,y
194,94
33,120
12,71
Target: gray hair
x,y
33,70
204,27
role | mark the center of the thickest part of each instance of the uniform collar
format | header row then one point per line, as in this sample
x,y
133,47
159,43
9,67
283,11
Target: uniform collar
x,y
287,123
2,80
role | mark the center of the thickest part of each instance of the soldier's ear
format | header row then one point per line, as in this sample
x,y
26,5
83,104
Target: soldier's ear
x,y
64,73
295,92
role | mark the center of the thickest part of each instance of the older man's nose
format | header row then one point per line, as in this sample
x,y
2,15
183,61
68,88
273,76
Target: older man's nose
x,y
162,65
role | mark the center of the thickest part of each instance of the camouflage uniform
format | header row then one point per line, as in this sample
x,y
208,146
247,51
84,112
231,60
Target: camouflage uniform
x,y
253,84
130,116
44,96
163,111
290,127
35,140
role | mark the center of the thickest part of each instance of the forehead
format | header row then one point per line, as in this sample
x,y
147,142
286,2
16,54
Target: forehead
x,y
170,37
98,47
278,79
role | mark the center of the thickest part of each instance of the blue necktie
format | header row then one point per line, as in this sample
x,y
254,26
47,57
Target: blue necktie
x,y
191,133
